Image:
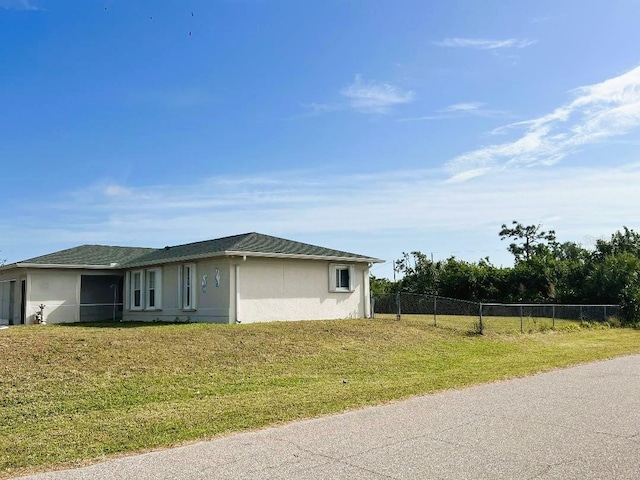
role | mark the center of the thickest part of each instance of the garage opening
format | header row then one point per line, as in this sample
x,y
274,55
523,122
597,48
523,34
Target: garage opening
x,y
7,296
101,298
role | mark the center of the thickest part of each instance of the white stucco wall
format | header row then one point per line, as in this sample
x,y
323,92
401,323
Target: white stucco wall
x,y
58,290
211,302
283,289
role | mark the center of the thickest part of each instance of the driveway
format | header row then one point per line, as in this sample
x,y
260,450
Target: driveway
x,y
581,422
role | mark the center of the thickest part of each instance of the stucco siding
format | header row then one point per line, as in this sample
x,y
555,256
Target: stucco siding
x,y
58,291
211,296
213,303
272,289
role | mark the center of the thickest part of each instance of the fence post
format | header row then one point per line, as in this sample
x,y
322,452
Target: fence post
x,y
372,305
581,313
521,328
553,316
481,325
435,306
605,314
398,310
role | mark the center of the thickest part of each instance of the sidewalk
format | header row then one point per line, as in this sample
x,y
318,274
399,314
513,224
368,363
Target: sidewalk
x,y
581,423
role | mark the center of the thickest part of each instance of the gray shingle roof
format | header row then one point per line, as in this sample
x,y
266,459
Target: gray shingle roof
x,y
247,243
90,255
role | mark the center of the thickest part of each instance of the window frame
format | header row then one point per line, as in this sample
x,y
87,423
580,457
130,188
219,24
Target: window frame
x,y
133,290
335,284
187,288
144,288
157,289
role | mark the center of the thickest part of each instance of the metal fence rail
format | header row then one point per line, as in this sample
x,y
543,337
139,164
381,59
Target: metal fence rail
x,y
477,316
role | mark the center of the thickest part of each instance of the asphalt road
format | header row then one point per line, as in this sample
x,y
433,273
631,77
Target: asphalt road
x,y
581,422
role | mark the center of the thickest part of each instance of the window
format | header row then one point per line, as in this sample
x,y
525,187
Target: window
x,y
144,289
136,290
188,291
341,278
153,283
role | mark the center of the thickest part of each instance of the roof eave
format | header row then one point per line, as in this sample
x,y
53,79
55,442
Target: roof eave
x,y
113,266
300,256
239,253
8,266
166,261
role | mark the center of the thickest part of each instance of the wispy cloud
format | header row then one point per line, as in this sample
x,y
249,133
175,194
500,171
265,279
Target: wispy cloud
x,y
463,107
597,113
371,96
310,201
458,110
18,5
115,190
366,97
484,43
543,19
310,206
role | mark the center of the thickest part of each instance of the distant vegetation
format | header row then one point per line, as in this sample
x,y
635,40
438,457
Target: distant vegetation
x,y
544,271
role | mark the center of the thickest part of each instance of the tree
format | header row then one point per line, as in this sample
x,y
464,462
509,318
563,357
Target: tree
x,y
614,273
530,240
621,242
420,274
571,265
383,285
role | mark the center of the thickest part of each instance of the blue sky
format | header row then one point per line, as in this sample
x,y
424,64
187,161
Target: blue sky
x,y
365,125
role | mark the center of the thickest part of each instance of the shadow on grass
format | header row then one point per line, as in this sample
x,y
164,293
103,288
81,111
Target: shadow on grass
x,y
119,324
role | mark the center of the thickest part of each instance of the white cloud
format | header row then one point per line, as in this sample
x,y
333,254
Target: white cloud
x,y
18,5
458,110
114,190
597,113
379,214
467,175
463,107
287,204
483,43
374,97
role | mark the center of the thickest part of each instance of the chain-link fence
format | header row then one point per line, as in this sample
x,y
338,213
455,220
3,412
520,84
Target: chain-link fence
x,y
497,317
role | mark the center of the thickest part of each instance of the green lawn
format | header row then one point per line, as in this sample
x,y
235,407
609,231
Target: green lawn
x,y
494,324
73,394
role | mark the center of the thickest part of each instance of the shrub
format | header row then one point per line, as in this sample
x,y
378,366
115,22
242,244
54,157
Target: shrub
x,y
630,303
614,322
569,327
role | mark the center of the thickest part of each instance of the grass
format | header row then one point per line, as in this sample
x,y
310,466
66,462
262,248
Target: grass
x,y
75,394
493,324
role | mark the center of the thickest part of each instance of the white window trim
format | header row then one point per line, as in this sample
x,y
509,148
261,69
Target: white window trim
x,y
132,292
191,305
127,293
144,290
157,288
333,287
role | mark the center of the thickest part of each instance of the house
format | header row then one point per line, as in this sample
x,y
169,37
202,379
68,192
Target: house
x,y
243,278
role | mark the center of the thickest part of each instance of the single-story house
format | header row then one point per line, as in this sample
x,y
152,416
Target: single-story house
x,y
243,278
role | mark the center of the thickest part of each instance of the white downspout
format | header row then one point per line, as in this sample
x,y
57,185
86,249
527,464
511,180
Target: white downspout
x,y
237,312
366,293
